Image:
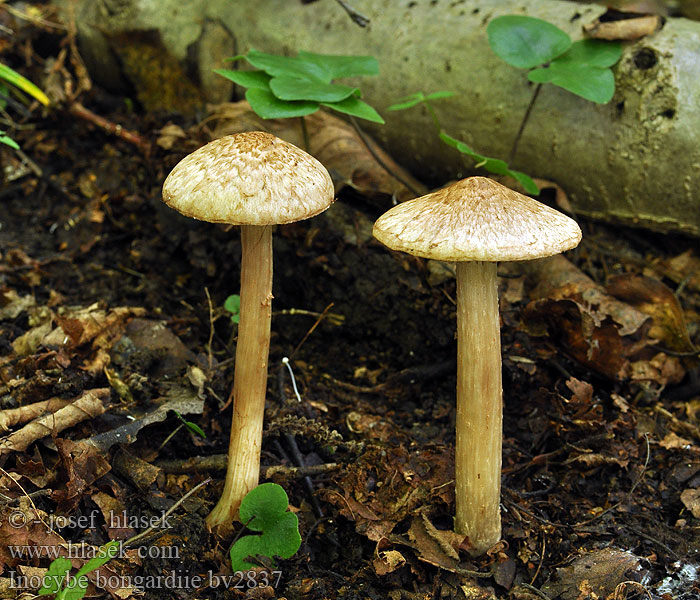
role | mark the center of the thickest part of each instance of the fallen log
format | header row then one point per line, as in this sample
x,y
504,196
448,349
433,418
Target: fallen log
x,y
635,160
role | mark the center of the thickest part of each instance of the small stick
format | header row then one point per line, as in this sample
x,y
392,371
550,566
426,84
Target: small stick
x,y
166,514
114,128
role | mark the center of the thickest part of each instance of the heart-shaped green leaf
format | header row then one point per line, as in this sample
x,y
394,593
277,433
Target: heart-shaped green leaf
x,y
266,105
591,83
264,509
248,79
342,66
357,108
291,88
526,42
593,53
288,66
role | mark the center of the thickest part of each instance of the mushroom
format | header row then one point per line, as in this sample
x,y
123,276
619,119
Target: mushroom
x,y
254,180
476,222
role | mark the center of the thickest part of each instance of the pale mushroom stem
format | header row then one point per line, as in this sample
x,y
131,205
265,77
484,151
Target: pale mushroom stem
x,y
479,406
250,375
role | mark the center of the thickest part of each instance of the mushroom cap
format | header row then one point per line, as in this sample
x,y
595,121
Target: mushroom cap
x,y
476,219
251,178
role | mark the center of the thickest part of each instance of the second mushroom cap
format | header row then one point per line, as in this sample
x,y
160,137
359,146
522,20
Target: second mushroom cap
x,y
476,219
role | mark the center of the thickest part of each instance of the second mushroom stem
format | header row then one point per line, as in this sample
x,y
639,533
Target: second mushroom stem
x,y
479,406
250,375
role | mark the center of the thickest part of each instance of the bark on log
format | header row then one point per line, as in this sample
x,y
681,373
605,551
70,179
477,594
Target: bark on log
x,y
634,160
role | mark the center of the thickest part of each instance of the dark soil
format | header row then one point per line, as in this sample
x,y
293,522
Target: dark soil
x,y
590,474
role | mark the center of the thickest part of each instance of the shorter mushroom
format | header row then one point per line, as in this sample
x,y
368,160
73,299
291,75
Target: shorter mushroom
x,y
254,180
476,222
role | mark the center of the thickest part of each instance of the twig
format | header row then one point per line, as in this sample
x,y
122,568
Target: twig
x,y
166,514
113,128
518,135
211,329
535,591
357,17
380,162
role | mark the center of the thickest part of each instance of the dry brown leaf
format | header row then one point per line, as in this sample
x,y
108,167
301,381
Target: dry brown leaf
x,y
624,29
600,572
673,441
433,545
653,298
332,141
691,500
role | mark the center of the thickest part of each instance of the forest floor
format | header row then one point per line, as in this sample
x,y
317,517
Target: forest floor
x,y
111,309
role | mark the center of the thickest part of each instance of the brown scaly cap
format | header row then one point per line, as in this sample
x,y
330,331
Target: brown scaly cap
x,y
251,178
476,219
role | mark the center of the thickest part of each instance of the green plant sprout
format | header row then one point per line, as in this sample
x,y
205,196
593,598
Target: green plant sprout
x,y
296,86
10,76
58,580
232,304
193,427
264,509
581,67
492,165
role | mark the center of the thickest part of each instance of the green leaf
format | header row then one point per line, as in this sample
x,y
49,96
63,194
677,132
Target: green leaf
x,y
265,104
190,425
439,95
290,88
264,509
13,77
591,83
594,53
8,141
249,79
357,108
232,304
342,66
526,42
408,101
288,66
105,553
492,165
75,589
55,576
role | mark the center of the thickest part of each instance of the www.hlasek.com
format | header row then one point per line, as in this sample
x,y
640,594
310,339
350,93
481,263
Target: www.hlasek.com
x,y
139,584
83,551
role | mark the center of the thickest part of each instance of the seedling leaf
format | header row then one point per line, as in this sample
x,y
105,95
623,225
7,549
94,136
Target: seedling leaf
x,y
591,83
55,576
190,425
492,165
264,509
343,66
13,77
291,88
8,141
408,101
233,305
594,53
248,79
288,66
526,42
440,95
266,105
357,108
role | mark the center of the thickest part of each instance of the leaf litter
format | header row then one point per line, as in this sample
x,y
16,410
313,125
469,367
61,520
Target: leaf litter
x,y
102,297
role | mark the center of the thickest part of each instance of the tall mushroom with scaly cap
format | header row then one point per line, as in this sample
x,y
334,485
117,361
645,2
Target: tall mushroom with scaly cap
x,y
476,222
254,180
